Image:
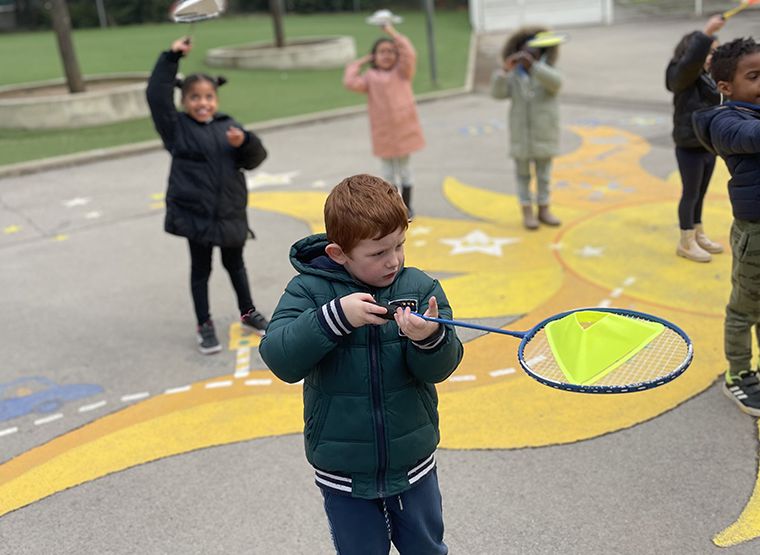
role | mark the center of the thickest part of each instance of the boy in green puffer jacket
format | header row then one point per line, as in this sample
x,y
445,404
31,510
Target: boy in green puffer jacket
x,y
370,406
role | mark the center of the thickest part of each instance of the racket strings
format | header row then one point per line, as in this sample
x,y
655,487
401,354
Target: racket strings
x,y
666,354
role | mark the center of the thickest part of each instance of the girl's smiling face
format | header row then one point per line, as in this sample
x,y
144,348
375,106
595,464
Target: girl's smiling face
x,y
385,55
200,101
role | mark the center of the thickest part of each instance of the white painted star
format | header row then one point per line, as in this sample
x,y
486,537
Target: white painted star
x,y
588,251
263,179
78,201
477,241
556,246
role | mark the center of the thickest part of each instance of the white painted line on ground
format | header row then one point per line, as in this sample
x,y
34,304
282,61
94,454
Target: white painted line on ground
x,y
258,382
8,431
616,292
463,378
630,280
47,419
215,385
502,372
135,396
535,360
93,406
180,389
605,303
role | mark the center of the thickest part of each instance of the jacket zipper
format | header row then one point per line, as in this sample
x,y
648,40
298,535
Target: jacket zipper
x,y
377,408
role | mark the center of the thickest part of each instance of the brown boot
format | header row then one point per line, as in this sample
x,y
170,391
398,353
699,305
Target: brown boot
x,y
689,249
705,242
529,219
546,217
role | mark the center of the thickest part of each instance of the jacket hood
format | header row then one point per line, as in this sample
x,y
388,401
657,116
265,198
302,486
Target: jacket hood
x,y
308,257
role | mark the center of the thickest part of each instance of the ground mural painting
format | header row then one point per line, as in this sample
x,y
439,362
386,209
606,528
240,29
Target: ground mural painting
x,y
490,268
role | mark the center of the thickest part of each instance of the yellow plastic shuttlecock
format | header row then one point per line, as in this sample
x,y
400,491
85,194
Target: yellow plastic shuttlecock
x,y
587,345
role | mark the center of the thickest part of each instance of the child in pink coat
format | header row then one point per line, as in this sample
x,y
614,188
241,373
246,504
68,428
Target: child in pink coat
x,y
393,119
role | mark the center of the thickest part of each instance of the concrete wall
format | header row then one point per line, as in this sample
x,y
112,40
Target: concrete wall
x,y
95,107
494,15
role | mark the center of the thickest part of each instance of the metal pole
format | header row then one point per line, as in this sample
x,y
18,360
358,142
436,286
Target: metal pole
x,y
428,5
101,14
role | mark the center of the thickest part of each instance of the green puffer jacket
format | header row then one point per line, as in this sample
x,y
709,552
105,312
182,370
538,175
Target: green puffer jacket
x,y
534,113
370,406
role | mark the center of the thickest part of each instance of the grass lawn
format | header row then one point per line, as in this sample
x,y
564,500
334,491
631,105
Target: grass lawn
x,y
250,96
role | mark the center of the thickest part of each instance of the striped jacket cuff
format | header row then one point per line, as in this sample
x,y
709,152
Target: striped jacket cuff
x,y
434,340
333,320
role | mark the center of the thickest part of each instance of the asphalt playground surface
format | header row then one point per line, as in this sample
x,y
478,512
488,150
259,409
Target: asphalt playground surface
x,y
158,449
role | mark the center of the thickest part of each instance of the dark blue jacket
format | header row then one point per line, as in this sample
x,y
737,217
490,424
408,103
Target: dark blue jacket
x,y
732,131
207,196
370,406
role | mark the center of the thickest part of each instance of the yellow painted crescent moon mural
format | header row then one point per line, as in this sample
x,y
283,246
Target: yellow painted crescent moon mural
x,y
490,268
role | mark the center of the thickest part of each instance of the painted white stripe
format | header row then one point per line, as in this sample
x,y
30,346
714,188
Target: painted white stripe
x,y
333,485
215,385
47,419
615,293
8,431
258,382
135,396
463,378
629,281
181,389
604,303
502,372
241,372
535,360
93,406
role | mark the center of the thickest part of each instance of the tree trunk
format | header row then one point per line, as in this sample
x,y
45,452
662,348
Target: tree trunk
x,y
275,6
62,27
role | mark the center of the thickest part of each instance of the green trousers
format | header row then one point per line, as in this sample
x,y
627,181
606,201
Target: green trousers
x,y
743,309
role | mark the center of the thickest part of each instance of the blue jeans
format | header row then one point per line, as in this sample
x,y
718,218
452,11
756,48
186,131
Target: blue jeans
x,y
413,521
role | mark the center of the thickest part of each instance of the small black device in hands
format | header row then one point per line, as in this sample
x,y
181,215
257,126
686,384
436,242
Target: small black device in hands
x,y
390,310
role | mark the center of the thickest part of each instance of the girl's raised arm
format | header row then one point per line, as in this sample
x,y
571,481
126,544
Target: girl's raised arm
x,y
353,80
407,56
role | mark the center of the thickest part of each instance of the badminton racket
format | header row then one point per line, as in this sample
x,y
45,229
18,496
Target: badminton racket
x,y
596,350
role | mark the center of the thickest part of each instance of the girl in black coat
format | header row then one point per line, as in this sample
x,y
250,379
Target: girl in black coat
x,y
207,196
687,78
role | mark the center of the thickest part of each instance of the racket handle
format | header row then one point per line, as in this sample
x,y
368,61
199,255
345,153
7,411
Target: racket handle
x,y
733,11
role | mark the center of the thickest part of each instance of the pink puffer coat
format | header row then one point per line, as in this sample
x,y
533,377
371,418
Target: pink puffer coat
x,y
393,119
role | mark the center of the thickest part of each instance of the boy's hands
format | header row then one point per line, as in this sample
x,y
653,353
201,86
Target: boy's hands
x,y
414,327
360,309
521,57
235,136
182,45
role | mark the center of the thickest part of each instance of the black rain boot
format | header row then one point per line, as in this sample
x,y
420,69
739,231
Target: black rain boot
x,y
406,195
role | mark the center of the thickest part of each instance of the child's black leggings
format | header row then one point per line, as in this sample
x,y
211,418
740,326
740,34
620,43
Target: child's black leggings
x,y
200,270
696,166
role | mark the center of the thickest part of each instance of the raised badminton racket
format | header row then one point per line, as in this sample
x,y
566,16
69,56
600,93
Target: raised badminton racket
x,y
190,11
742,6
596,350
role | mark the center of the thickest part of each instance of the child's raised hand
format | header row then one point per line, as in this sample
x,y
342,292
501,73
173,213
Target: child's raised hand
x,y
714,24
414,327
182,45
360,309
235,136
